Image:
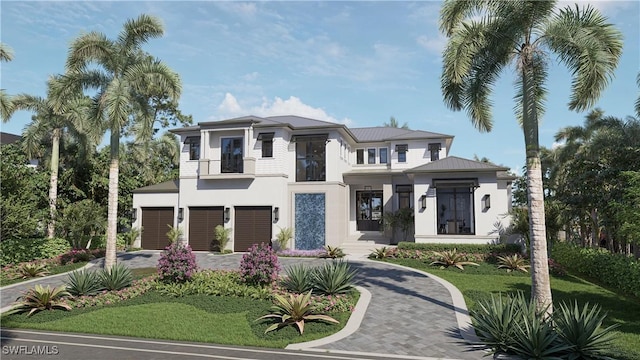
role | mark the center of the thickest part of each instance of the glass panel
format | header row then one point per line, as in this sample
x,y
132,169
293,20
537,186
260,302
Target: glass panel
x,y
402,156
310,160
194,151
371,154
267,148
383,155
360,156
455,210
376,207
231,158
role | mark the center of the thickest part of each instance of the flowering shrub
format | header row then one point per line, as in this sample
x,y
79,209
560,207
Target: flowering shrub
x,y
556,269
138,287
259,266
177,263
79,255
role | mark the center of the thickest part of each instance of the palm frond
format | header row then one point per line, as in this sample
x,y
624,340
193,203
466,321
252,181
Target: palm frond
x,y
6,106
637,104
533,74
87,48
6,53
138,31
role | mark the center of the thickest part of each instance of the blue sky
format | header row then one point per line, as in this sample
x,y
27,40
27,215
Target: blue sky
x,y
357,63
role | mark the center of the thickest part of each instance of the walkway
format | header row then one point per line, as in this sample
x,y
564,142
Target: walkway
x,y
410,315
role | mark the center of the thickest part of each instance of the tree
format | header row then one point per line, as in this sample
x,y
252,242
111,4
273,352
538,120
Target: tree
x,y
6,106
125,79
395,124
524,34
52,124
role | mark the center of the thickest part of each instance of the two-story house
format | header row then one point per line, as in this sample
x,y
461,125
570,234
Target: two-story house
x,y
331,184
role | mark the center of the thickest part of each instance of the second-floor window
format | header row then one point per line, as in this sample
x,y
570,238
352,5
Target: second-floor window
x,y
383,155
194,147
434,149
310,157
359,156
267,144
402,153
371,156
231,159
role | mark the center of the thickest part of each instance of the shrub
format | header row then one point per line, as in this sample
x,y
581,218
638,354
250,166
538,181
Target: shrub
x,y
493,320
116,278
31,269
581,330
487,249
451,258
177,263
100,242
283,237
332,252
40,298
76,255
131,236
13,251
333,278
82,282
380,253
215,283
298,279
222,237
616,270
513,262
174,234
294,310
259,266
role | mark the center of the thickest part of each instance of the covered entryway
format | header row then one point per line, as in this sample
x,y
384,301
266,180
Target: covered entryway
x,y
252,226
369,208
202,224
155,221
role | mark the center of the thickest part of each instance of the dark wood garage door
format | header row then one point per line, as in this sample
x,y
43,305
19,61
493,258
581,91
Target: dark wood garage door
x,y
154,227
202,222
252,226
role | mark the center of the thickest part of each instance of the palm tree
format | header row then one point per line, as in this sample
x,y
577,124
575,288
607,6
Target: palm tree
x,y
395,124
48,123
637,104
6,106
524,34
125,78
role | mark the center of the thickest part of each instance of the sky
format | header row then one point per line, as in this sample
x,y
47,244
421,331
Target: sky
x,y
357,63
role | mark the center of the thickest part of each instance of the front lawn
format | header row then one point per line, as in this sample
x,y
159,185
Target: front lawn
x,y
478,283
188,318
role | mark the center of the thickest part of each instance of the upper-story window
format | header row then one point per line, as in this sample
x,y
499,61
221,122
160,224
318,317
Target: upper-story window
x,y
310,157
231,158
402,152
194,147
434,149
371,156
359,156
383,155
267,144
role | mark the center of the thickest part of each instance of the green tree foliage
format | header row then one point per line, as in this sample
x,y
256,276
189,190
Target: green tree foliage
x,y
395,124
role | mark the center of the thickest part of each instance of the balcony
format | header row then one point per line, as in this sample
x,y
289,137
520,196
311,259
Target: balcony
x,y
213,169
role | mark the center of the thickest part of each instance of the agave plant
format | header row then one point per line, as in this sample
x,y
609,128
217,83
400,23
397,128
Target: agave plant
x,y
334,278
294,310
332,252
494,320
40,298
118,277
298,279
380,253
30,269
581,330
451,258
514,262
81,282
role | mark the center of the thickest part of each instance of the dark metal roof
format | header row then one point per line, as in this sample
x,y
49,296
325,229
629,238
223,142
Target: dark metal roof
x,y
6,138
456,164
384,133
298,122
166,187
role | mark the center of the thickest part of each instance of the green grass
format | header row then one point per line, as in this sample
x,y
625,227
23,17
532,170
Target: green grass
x,y
189,318
480,282
52,271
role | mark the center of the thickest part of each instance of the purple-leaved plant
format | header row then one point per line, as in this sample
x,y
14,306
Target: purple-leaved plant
x,y
177,263
259,266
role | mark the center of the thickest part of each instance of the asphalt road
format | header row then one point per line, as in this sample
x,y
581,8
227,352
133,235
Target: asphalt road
x,y
31,344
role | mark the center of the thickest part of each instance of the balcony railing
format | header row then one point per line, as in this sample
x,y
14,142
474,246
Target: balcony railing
x,y
217,169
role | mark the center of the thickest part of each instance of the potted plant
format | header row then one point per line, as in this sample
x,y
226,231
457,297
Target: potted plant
x,y
221,240
390,221
282,239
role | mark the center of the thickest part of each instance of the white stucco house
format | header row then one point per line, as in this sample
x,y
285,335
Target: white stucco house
x,y
331,184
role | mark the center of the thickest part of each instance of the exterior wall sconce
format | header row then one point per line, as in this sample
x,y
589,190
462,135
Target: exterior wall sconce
x,y
180,214
486,201
276,214
134,214
423,202
227,214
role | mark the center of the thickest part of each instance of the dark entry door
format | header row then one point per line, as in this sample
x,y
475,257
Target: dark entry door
x,y
252,226
369,209
154,227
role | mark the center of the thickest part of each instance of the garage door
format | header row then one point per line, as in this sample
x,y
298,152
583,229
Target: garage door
x,y
252,226
154,227
202,222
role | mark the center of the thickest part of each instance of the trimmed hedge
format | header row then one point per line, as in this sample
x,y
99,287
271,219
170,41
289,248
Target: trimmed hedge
x,y
13,251
465,248
616,270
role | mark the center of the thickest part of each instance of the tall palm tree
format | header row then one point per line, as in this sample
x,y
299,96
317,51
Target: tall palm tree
x,y
485,37
395,124
6,106
48,123
123,76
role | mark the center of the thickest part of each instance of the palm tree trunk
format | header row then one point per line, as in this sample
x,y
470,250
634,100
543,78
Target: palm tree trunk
x,y
112,214
53,182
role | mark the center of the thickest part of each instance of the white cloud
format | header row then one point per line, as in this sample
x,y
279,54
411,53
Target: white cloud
x,y
250,76
230,107
557,144
433,44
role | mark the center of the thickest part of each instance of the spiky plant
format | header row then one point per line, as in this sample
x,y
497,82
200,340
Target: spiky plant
x,y
513,262
581,329
332,252
294,310
40,298
222,237
380,253
298,279
336,277
30,270
451,258
116,278
82,282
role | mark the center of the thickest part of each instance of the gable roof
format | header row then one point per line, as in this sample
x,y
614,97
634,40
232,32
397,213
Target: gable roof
x,y
455,164
168,187
385,133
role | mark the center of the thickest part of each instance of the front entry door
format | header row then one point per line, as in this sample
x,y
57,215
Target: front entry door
x,y
369,210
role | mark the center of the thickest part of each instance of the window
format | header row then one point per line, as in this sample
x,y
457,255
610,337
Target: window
x,y
267,144
383,155
404,196
455,207
360,156
434,149
310,157
231,158
371,156
402,152
194,147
